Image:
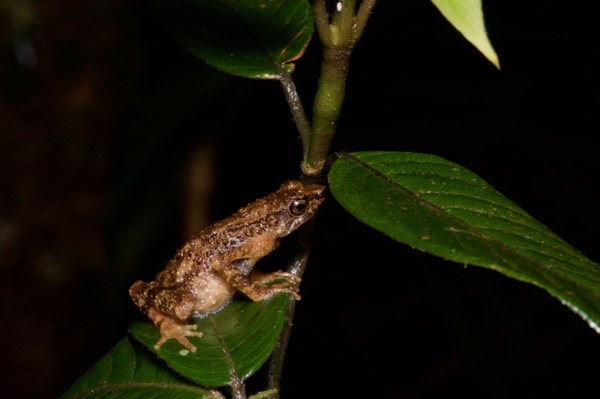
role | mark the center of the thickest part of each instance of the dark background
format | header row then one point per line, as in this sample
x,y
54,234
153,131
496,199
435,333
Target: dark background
x,y
107,126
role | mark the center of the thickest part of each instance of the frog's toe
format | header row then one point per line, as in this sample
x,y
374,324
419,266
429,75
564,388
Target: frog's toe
x,y
292,290
273,278
289,277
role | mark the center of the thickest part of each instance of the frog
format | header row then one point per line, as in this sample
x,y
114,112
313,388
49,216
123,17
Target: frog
x,y
218,261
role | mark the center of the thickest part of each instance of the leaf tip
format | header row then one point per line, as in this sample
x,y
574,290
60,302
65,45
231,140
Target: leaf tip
x,y
467,17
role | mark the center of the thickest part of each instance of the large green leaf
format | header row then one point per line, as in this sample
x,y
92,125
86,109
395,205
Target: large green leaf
x,y
249,38
442,208
236,342
467,17
128,372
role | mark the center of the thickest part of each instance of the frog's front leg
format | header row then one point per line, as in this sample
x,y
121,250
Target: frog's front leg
x,y
278,279
256,285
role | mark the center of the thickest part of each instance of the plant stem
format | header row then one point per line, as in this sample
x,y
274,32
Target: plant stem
x,y
297,267
339,35
362,16
293,100
327,107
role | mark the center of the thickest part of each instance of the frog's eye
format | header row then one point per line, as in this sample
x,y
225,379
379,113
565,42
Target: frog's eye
x,y
298,207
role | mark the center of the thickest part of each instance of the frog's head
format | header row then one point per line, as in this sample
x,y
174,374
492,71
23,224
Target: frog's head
x,y
293,204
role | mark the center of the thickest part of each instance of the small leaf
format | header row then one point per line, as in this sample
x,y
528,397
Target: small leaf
x,y
442,208
128,372
467,17
249,331
248,38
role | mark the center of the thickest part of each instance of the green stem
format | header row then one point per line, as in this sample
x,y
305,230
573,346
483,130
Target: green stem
x,y
339,38
362,16
322,21
327,107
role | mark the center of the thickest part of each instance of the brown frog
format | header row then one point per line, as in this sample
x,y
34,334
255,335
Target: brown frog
x,y
218,261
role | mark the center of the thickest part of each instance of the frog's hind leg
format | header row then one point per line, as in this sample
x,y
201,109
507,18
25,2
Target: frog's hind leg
x,y
170,328
170,311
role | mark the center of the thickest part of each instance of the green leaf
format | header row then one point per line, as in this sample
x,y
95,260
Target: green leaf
x,y
444,209
127,372
248,38
467,17
241,336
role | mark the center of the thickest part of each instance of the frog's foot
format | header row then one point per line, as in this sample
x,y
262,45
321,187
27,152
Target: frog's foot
x,y
277,282
170,328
